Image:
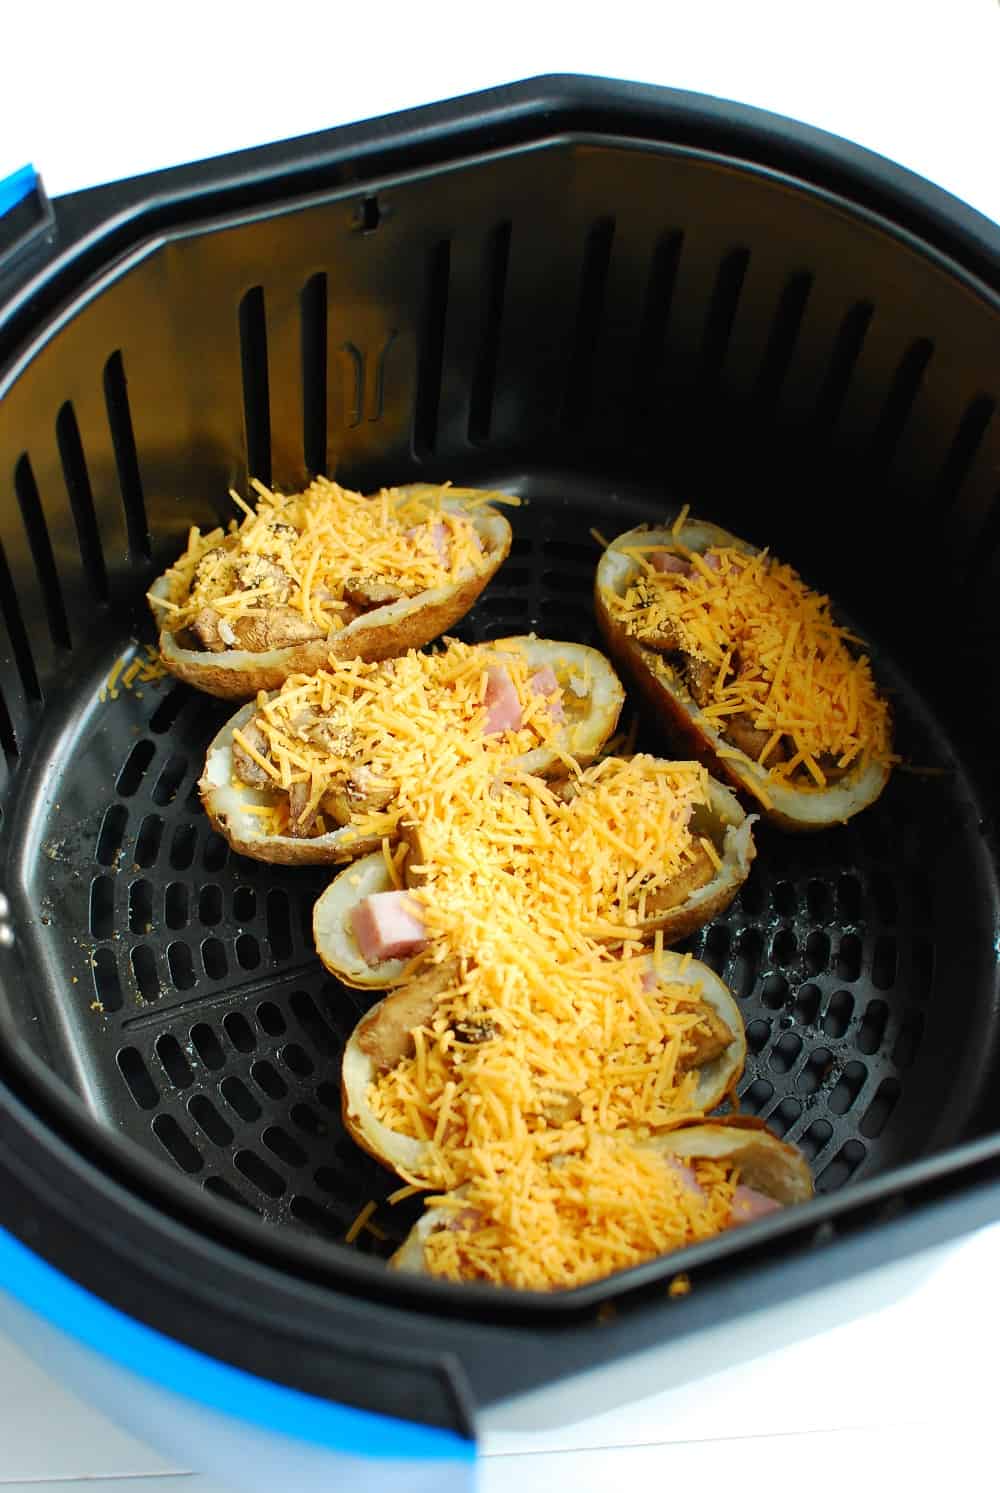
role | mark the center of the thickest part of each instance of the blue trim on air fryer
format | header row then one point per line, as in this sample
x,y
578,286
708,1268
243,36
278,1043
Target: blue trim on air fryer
x,y
187,1372
17,186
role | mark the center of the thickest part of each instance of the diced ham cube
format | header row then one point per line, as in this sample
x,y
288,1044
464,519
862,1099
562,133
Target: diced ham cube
x,y
544,682
749,1204
685,1175
388,925
663,560
439,534
503,707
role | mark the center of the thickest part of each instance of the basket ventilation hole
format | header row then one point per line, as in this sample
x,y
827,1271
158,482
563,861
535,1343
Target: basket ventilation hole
x,y
36,529
306,1119
239,1031
784,947
757,1095
806,1007
589,314
174,1063
431,363
181,965
136,1075
305,1211
126,457
269,1080
144,969
872,1029
13,618
259,1173
256,394
81,500
213,958
136,765
838,1013
722,313
147,841
166,713
757,1035
843,360
847,1088
495,263
884,896
747,962
176,1143
102,907
272,1022
658,299
206,1045
207,1117
166,786
240,1099
296,1060
244,904
175,905
247,951
313,312
210,905
884,962
784,900
816,1071
785,1052
784,1116
964,450
782,338
140,907
322,1038
215,854
328,1094
842,1167
848,964
716,950
752,897
876,1116
112,834
815,1138
900,400
818,901
182,846
107,986
774,991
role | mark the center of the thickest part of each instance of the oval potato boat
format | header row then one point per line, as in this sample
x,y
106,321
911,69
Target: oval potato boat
x,y
405,1154
789,806
381,633
769,1166
229,803
723,821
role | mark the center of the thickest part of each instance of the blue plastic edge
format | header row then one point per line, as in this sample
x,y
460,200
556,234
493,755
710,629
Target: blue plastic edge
x,y
17,186
187,1372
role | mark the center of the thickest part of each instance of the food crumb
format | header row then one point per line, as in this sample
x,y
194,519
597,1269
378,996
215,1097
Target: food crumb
x,y
679,1286
97,1006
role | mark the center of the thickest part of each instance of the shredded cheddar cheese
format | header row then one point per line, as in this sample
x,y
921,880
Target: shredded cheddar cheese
x,y
773,656
575,1219
307,554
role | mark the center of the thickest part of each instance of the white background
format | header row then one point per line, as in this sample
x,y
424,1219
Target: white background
x,y
903,1395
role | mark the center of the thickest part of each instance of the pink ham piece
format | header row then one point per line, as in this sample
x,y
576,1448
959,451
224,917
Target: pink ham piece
x,y
685,1175
503,708
439,534
544,682
749,1204
387,925
664,561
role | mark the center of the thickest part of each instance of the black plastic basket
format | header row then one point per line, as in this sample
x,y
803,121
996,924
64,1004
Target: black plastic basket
x,y
609,299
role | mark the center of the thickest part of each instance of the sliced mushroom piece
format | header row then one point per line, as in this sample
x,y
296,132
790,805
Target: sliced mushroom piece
x,y
387,1036
475,1029
207,627
368,592
706,1041
273,627
244,766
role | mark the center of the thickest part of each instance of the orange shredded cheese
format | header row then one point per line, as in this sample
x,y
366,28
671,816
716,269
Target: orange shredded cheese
x,y
777,656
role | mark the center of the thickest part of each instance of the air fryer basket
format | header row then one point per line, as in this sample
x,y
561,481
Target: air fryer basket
x,y
606,300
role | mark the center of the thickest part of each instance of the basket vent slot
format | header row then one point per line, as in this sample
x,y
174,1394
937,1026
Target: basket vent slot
x,y
425,415
589,315
263,1177
81,499
40,545
126,457
176,1143
722,314
256,393
205,1115
137,1078
900,400
844,359
313,308
659,297
147,841
112,836
783,337
144,969
107,986
964,450
817,953
496,260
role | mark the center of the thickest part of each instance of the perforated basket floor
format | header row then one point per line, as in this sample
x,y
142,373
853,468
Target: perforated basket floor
x,y
185,1002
